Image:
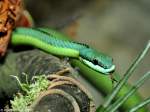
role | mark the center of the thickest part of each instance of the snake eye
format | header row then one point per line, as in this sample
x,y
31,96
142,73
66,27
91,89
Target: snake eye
x,y
95,62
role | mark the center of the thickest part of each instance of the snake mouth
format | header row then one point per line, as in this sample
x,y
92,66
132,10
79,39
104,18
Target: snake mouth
x,y
98,68
110,70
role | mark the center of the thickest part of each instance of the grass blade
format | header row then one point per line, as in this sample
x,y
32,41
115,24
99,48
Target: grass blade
x,y
145,102
126,76
122,99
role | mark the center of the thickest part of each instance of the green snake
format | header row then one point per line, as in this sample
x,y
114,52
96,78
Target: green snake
x,y
49,41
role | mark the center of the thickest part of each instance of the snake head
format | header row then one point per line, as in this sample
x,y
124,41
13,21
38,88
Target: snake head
x,y
97,61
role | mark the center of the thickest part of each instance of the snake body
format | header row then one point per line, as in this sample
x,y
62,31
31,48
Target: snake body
x,y
49,41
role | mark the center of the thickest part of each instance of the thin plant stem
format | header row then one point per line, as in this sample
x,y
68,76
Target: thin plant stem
x,y
122,99
126,76
135,108
26,77
17,79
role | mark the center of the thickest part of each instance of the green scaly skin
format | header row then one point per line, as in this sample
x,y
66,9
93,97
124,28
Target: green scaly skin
x,y
102,82
51,44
